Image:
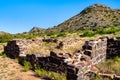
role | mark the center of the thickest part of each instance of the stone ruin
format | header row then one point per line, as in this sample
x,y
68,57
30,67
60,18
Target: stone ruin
x,y
69,43
50,40
17,48
76,65
113,47
96,50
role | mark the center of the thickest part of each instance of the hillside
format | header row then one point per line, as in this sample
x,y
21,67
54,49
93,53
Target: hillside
x,y
70,37
93,16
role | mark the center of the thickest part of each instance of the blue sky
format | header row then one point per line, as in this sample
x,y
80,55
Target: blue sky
x,y
18,16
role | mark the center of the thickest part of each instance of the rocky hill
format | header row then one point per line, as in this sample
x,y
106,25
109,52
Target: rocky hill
x,y
93,16
36,29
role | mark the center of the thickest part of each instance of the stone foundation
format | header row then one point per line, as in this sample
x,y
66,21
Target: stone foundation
x,y
76,65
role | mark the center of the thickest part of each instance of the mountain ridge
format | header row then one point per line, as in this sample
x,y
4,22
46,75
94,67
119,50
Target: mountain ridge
x,y
97,15
34,29
93,16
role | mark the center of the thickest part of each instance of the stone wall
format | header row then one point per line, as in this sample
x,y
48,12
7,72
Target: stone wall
x,y
71,65
96,49
76,65
113,47
17,48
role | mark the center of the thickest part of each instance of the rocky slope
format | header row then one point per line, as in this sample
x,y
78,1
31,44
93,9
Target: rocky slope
x,y
93,16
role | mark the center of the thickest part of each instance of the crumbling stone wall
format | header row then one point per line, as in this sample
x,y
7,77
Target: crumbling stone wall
x,y
96,49
113,47
71,65
75,66
17,48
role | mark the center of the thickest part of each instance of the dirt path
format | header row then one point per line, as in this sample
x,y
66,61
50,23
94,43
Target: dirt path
x,y
11,70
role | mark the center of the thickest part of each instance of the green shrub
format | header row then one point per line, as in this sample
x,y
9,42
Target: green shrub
x,y
101,31
41,72
116,58
112,30
61,34
88,34
26,65
5,37
3,54
57,76
54,36
49,33
52,75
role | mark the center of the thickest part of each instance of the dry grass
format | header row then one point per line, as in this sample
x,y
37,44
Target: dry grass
x,y
45,48
71,45
11,70
111,66
1,47
33,48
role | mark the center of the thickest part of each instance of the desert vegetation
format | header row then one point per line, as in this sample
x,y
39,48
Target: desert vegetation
x,y
114,66
110,66
49,74
5,37
71,34
100,31
42,73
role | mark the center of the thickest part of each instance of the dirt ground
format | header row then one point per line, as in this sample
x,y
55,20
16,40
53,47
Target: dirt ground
x,y
11,70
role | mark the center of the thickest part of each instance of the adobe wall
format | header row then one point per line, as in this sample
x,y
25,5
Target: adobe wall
x,y
76,65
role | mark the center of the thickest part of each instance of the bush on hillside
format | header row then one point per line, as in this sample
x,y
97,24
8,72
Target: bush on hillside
x,y
112,30
100,31
87,34
5,37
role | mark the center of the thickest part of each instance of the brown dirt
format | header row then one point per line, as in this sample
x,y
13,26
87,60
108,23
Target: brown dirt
x,y
11,70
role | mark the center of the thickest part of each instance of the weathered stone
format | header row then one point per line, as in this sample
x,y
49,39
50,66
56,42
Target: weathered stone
x,y
50,40
76,65
61,44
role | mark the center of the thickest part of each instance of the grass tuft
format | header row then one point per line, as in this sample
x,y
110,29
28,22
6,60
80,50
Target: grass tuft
x,y
49,74
26,66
